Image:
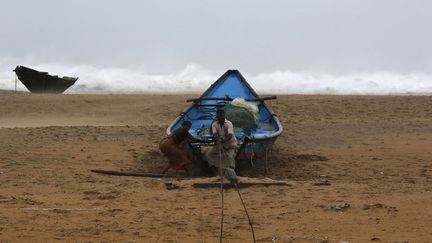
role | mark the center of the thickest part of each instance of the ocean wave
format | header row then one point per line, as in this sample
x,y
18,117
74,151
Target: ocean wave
x,y
195,79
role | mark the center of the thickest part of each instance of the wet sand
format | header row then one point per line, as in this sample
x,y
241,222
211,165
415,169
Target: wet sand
x,y
374,151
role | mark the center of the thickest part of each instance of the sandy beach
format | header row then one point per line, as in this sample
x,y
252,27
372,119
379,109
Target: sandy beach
x,y
375,152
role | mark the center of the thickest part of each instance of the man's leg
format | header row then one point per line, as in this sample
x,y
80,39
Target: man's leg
x,y
166,168
213,156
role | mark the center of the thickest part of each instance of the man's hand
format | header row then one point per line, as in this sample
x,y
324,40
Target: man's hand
x,y
219,140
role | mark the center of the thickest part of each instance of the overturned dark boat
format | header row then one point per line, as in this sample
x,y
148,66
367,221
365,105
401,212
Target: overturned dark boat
x,y
253,141
41,82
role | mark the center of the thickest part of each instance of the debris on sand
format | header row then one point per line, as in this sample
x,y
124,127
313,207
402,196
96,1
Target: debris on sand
x,y
6,199
341,207
322,182
308,239
372,206
168,185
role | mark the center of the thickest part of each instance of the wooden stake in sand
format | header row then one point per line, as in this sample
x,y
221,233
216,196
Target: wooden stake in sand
x,y
16,83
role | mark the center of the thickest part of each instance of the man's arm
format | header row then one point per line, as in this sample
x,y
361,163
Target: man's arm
x,y
228,137
195,140
214,133
230,131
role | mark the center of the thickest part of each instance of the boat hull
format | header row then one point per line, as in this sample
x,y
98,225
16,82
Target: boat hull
x,y
255,149
42,82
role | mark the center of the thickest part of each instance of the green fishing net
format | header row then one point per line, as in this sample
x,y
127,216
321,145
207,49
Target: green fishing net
x,y
240,117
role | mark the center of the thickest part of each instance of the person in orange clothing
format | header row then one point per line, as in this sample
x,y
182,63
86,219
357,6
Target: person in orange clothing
x,y
171,147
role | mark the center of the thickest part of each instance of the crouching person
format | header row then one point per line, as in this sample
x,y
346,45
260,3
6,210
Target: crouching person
x,y
172,147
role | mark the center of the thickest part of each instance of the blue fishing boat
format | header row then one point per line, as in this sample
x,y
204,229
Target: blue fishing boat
x,y
253,141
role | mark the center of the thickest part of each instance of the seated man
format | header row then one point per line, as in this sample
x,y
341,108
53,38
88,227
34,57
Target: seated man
x,y
223,154
171,147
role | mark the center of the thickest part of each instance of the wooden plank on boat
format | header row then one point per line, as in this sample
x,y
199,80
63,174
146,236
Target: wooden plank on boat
x,y
210,105
230,99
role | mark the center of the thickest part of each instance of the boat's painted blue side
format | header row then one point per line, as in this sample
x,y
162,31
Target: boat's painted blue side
x,y
229,86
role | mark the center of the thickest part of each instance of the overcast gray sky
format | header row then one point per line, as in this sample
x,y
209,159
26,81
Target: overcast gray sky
x,y
329,36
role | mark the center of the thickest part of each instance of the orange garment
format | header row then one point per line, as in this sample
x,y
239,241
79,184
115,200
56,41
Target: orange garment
x,y
178,159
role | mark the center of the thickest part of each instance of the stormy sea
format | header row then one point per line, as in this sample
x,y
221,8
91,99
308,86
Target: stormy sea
x,y
195,78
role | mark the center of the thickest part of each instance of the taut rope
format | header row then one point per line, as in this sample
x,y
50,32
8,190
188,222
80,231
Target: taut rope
x,y
245,209
222,198
221,191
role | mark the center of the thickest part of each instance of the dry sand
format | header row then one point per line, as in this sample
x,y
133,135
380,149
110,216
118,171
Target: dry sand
x,y
375,151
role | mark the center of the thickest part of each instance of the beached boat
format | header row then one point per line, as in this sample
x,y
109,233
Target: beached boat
x,y
41,82
253,142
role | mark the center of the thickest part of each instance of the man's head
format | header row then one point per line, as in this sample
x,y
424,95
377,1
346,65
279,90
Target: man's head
x,y
187,124
220,116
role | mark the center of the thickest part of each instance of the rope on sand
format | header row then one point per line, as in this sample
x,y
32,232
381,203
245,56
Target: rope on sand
x,y
245,209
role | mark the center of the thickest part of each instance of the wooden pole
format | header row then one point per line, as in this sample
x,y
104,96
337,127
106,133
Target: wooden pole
x,y
227,185
138,174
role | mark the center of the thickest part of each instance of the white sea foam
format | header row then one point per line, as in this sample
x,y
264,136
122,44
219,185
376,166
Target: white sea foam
x,y
196,79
